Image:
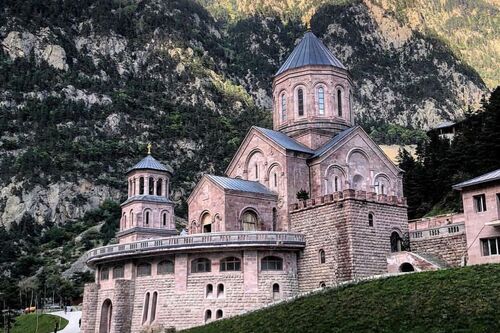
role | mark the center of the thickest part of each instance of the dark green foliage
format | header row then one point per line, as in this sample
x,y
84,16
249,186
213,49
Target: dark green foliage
x,y
454,300
475,150
302,195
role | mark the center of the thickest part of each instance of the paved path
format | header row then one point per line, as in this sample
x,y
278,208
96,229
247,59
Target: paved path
x,y
73,317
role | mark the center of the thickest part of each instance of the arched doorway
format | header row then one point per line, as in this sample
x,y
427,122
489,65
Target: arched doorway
x,y
406,267
106,312
395,242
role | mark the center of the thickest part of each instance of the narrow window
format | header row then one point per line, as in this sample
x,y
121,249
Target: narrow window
x,y
208,316
283,108
146,308
300,101
395,242
256,171
201,265
144,269
164,219
220,290
118,272
165,267
209,290
147,218
151,186
276,291
480,203
322,256
153,306
230,264
336,184
135,190
339,102
159,187
104,273
275,218
219,314
370,220
206,222
131,218
124,221
249,221
275,180
272,263
141,185
321,100
382,189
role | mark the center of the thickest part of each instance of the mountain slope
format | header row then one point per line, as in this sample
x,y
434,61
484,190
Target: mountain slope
x,y
455,300
86,85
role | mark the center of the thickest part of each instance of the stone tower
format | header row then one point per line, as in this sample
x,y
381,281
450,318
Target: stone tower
x,y
312,94
147,212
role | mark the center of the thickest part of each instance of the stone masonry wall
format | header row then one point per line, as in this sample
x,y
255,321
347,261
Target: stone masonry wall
x,y
450,248
89,310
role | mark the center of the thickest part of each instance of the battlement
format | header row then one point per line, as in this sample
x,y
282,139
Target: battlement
x,y
349,194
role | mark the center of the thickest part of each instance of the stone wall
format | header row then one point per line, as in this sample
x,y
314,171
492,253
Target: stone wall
x,y
89,310
450,248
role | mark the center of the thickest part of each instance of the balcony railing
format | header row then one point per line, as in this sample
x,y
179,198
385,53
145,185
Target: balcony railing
x,y
446,230
200,241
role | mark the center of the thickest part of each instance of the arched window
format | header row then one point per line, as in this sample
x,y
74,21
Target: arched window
x,y
300,102
151,186
118,272
145,311
124,226
134,185
141,185
271,263
104,274
395,242
165,267
321,100
130,193
406,267
256,171
206,222
159,186
153,307
131,218
275,180
276,291
336,184
146,217
208,316
144,269
230,264
209,290
249,221
370,219
283,107
220,290
322,256
106,313
201,265
219,314
339,102
164,219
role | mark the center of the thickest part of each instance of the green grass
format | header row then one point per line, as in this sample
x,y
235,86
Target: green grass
x,y
455,300
46,323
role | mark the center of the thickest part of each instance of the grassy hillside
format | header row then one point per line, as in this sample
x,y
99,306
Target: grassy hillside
x,y
46,323
455,300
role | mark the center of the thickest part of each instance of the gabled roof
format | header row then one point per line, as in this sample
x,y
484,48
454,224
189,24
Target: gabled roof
x,y
487,177
284,140
150,163
240,185
310,51
332,142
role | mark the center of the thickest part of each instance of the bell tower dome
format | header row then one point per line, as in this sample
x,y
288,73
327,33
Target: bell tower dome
x,y
312,94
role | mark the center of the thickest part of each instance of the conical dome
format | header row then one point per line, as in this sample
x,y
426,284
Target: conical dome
x,y
150,163
310,51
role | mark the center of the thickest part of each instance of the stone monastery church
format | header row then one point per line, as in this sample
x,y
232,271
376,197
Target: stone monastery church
x,y
250,241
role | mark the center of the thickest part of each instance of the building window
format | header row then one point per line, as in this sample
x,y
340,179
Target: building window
x,y
321,100
147,218
146,308
480,203
141,185
249,221
230,264
336,184
276,291
131,218
153,306
275,180
206,222
106,315
283,108
322,256
271,263
164,219
220,290
104,275
165,267
151,186
395,242
159,187
300,102
490,246
201,265
219,314
322,284
208,316
209,290
339,102
370,219
144,269
118,272
275,218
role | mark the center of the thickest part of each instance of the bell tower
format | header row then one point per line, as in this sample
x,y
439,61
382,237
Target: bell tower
x,y
148,211
312,93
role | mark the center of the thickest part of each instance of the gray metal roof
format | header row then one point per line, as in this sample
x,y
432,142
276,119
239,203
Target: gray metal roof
x,y
332,142
444,124
487,177
284,140
240,185
150,163
310,51
146,197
